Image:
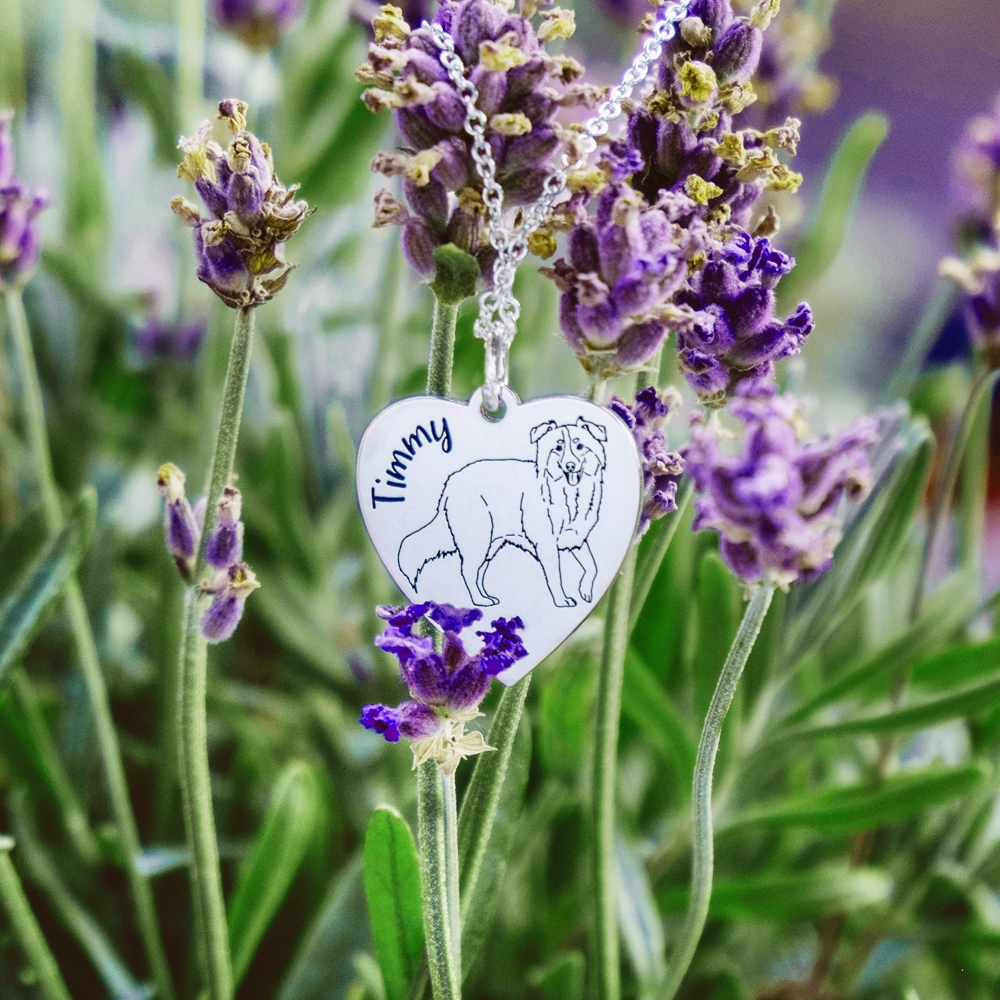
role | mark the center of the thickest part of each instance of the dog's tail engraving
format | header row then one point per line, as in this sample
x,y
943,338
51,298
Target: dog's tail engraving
x,y
431,541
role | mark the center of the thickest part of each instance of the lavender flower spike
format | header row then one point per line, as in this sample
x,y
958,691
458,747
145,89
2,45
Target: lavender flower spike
x,y
19,206
445,682
775,502
224,613
661,467
181,526
225,544
240,246
257,23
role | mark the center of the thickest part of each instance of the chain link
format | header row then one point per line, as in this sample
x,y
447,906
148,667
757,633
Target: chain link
x,y
498,308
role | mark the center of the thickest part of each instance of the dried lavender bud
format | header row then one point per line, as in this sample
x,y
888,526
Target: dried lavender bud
x,y
259,24
240,247
447,685
19,206
224,613
225,544
775,502
181,528
661,467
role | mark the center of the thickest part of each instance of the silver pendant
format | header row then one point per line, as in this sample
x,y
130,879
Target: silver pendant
x,y
530,515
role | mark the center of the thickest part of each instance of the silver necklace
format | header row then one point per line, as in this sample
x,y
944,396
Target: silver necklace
x,y
498,308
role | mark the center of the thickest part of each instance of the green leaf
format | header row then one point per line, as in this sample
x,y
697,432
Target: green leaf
x,y
456,274
563,716
32,597
278,851
816,250
392,888
489,816
647,705
787,897
957,665
150,88
849,808
638,919
561,978
970,702
324,964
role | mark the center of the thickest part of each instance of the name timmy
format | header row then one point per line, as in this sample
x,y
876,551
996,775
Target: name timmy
x,y
401,458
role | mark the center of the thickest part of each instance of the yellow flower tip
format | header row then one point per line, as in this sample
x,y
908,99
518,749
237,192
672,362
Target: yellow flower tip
x,y
196,163
170,482
731,149
420,166
380,100
412,92
389,23
698,82
696,33
721,215
557,23
784,179
449,746
185,210
471,201
763,12
234,113
242,581
646,24
511,123
700,191
736,97
591,181
501,55
697,262
542,244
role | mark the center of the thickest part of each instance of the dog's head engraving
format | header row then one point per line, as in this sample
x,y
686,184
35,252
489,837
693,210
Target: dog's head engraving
x,y
569,451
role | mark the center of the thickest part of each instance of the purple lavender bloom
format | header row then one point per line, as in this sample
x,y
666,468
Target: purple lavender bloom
x,y
624,268
182,527
257,23
158,341
661,467
225,545
774,502
19,206
230,593
976,174
979,277
506,59
446,683
240,246
731,332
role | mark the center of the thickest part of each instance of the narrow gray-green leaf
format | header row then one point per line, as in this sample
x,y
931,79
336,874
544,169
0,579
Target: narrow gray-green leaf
x,y
957,665
860,807
323,968
27,604
278,851
638,920
561,978
392,888
488,820
786,897
817,248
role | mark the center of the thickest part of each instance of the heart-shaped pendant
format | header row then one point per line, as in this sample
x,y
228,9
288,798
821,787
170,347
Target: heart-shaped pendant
x,y
528,516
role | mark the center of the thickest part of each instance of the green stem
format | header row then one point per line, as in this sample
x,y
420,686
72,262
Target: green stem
x,y
25,926
703,847
652,560
90,666
946,483
192,739
602,821
442,354
437,826
190,60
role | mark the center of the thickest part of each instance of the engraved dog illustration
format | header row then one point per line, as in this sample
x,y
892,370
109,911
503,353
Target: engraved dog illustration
x,y
546,507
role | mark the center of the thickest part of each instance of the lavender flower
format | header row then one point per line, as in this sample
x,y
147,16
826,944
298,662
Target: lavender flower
x,y
660,466
446,684
979,278
225,545
623,270
774,503
976,174
230,590
240,247
506,60
19,206
732,331
182,523
257,23
158,341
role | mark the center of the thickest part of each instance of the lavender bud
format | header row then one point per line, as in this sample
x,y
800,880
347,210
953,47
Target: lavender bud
x,y
737,53
257,23
225,544
224,613
19,206
180,527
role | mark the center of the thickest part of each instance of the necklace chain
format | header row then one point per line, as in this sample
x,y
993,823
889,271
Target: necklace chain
x,y
498,308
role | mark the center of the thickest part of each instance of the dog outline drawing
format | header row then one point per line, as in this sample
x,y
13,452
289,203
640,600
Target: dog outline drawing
x,y
546,507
